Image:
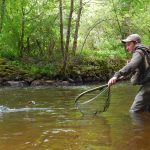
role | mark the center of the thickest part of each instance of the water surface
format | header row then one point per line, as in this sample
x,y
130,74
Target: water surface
x,y
53,122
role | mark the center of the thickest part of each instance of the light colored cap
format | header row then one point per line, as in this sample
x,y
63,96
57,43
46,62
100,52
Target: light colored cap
x,y
132,37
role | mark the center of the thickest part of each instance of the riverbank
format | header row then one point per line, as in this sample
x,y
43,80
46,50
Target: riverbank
x,y
87,71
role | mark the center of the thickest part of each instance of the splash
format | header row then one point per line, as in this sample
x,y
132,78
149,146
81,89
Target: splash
x,y
5,109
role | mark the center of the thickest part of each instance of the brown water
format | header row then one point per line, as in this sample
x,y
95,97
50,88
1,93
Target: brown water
x,y
53,123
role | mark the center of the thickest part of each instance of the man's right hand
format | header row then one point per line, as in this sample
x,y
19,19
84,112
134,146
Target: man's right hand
x,y
112,81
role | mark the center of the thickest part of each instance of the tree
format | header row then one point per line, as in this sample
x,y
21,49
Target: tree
x,y
74,48
68,37
61,27
2,14
66,46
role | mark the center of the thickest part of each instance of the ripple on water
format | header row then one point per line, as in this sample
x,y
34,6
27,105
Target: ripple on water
x,y
55,131
4,109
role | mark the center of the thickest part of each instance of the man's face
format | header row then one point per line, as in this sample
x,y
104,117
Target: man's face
x,y
130,46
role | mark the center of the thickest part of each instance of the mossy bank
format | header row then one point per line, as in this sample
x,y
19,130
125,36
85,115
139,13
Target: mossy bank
x,y
81,72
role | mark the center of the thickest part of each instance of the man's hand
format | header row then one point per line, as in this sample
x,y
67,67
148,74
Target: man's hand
x,y
128,61
112,81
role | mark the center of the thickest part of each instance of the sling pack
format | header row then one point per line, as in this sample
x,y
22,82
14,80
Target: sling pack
x,y
144,76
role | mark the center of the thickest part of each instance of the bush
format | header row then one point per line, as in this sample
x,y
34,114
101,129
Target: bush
x,y
9,54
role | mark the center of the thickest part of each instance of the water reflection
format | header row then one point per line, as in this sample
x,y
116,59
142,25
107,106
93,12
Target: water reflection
x,y
141,130
64,128
133,134
93,133
140,119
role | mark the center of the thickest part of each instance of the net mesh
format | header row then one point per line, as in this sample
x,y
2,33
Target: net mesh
x,y
94,102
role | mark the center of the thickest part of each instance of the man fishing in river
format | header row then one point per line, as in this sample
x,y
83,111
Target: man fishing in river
x,y
139,67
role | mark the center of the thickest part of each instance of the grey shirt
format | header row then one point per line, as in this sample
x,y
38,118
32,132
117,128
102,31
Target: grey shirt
x,y
136,62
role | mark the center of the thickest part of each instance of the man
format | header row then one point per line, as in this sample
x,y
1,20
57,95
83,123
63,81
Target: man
x,y
137,66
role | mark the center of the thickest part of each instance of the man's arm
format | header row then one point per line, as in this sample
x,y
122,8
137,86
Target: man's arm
x,y
130,67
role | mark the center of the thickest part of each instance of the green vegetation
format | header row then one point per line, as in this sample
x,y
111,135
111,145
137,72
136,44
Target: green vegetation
x,y
65,37
8,71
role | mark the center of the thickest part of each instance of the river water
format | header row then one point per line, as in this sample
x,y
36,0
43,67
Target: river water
x,y
53,123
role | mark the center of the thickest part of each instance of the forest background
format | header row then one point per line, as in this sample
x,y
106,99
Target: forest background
x,y
75,40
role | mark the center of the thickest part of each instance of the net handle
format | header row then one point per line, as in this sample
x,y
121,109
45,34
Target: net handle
x,y
89,91
94,89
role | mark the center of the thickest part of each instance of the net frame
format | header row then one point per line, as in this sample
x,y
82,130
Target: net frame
x,y
102,89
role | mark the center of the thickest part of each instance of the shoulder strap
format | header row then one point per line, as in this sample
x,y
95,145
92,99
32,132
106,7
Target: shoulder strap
x,y
145,53
141,52
142,47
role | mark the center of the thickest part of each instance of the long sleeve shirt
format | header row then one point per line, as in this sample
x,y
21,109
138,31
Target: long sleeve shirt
x,y
135,63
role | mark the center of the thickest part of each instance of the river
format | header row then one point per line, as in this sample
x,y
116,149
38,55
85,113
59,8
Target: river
x,y
45,118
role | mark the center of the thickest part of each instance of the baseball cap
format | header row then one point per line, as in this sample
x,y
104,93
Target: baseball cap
x,y
132,37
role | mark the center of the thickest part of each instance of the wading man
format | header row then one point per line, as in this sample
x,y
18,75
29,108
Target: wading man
x,y
139,67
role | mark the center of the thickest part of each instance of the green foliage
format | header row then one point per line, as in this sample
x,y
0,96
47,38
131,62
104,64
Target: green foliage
x,y
120,19
40,68
9,54
31,29
104,54
47,70
8,71
30,23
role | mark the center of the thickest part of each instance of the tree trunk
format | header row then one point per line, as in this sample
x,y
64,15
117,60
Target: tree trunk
x,y
61,27
68,36
21,43
69,26
28,45
39,46
2,14
77,28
